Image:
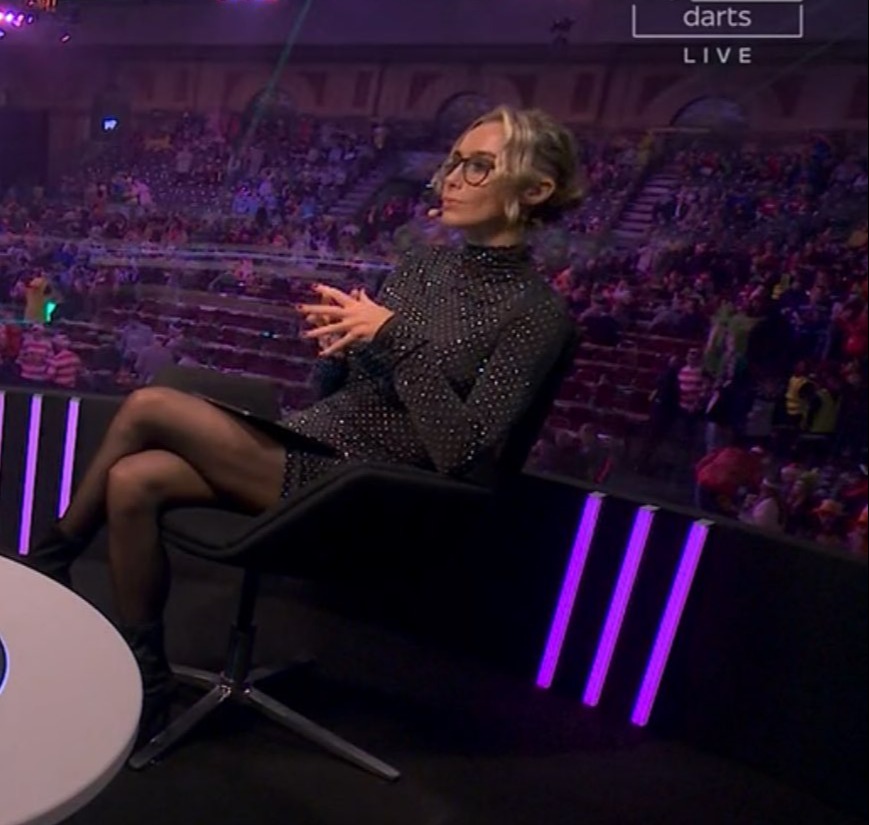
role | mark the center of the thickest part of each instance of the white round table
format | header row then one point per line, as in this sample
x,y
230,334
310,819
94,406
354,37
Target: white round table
x,y
70,702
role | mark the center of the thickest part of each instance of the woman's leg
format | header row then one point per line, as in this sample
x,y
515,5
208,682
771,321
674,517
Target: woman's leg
x,y
139,486
233,458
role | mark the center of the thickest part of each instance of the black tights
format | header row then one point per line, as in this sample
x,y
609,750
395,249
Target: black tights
x,y
166,447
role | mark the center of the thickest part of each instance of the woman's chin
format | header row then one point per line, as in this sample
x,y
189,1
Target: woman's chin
x,y
451,219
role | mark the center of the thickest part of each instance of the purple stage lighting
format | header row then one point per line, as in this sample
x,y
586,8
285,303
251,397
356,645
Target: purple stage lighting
x,y
619,605
569,588
68,468
30,474
691,554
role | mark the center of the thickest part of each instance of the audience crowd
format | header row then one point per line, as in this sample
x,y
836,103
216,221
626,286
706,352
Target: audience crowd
x,y
725,354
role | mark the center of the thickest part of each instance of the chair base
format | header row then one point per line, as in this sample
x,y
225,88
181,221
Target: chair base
x,y
221,689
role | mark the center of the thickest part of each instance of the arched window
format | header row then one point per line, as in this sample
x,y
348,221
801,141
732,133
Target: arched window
x,y
459,112
719,114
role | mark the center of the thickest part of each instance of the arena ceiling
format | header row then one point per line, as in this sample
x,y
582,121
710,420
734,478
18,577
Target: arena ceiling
x,y
425,22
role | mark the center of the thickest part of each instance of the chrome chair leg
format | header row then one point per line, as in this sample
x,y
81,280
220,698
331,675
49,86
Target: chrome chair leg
x,y
177,730
196,677
312,732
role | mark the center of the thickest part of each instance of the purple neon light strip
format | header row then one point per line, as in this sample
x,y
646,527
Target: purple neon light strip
x,y
66,472
619,605
691,554
569,589
30,475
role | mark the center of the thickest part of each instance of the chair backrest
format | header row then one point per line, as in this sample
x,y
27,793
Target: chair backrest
x,y
517,447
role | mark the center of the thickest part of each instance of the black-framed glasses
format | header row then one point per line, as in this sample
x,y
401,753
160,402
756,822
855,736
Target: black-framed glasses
x,y
475,168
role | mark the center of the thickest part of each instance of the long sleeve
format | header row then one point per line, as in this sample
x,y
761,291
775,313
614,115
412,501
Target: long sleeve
x,y
457,432
473,334
328,376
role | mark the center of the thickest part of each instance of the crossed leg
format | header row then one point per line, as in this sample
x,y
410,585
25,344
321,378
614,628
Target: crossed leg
x,y
166,447
139,486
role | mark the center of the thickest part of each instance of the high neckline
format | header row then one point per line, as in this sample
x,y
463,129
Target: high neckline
x,y
497,256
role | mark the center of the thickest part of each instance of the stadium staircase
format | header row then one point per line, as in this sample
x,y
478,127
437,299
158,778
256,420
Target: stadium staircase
x,y
361,194
637,217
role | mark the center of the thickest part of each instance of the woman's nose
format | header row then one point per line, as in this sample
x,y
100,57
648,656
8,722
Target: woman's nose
x,y
454,177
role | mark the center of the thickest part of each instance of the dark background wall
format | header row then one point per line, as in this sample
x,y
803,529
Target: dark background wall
x,y
23,146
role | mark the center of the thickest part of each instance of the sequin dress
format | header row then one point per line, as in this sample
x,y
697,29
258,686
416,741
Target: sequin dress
x,y
474,332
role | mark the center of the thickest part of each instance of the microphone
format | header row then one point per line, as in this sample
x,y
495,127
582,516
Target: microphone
x,y
433,198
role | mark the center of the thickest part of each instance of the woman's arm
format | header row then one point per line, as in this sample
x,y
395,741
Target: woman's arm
x,y
328,376
458,432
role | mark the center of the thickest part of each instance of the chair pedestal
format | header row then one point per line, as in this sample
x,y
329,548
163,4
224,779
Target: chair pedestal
x,y
238,683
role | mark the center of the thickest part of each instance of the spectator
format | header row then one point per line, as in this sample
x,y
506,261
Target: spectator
x,y
828,524
601,328
766,510
595,458
723,474
152,359
33,360
665,408
64,367
692,394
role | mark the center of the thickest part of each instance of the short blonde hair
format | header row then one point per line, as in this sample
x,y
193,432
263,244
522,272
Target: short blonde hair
x,y
536,147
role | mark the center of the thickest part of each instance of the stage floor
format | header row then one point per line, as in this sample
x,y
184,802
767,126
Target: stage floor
x,y
476,747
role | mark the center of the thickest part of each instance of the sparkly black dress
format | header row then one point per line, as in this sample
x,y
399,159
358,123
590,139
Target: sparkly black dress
x,y
474,332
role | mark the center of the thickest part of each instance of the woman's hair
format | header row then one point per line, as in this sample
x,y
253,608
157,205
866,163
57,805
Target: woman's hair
x,y
536,147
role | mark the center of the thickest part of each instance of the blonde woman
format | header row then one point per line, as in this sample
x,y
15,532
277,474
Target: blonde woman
x,y
432,373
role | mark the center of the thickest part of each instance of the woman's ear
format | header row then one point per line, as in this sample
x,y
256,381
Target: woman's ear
x,y
539,192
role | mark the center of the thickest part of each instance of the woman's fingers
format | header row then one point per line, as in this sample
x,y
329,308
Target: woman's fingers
x,y
327,329
339,297
336,347
322,309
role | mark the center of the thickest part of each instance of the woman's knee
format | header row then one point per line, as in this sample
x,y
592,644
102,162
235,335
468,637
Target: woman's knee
x,y
147,402
146,407
133,487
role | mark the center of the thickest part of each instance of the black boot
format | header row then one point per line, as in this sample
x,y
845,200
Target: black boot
x,y
54,555
158,683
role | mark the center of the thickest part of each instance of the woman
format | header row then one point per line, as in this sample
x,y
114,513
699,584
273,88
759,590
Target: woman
x,y
432,374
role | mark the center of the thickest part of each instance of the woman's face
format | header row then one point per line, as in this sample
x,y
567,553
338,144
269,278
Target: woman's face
x,y
474,194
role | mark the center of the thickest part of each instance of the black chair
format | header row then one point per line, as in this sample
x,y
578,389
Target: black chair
x,y
392,501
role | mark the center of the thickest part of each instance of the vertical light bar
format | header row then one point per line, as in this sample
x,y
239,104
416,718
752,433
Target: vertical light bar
x,y
68,468
30,474
569,588
691,553
619,605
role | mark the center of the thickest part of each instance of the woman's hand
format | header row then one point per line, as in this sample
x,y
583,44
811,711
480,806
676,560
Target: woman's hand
x,y
342,319
314,320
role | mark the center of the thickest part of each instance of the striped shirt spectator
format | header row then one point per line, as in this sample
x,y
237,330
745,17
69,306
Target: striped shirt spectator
x,y
34,357
691,384
64,366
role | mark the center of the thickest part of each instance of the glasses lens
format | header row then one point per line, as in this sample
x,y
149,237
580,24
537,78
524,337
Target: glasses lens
x,y
477,170
449,166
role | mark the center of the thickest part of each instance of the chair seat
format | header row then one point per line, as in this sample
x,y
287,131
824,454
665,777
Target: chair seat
x,y
393,501
212,531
